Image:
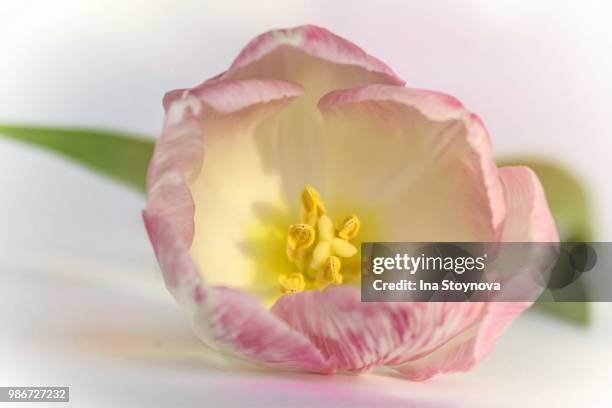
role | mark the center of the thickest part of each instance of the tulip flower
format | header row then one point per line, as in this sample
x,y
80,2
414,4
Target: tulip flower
x,y
267,177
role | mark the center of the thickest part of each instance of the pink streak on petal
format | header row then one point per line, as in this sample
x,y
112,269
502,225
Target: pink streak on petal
x,y
181,275
365,335
357,334
178,154
437,107
468,348
240,325
315,41
226,319
529,218
233,95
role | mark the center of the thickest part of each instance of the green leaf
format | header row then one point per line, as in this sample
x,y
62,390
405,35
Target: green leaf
x,y
121,156
578,313
570,207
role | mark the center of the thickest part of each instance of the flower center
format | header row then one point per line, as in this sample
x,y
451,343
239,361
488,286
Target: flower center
x,y
316,246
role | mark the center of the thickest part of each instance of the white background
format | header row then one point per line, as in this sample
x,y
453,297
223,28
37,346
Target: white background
x,y
81,302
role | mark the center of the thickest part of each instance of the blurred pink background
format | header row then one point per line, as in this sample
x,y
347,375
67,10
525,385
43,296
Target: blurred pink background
x,y
81,302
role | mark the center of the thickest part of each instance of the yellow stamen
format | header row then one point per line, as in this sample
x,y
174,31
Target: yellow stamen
x,y
330,272
292,283
349,228
300,238
316,254
312,206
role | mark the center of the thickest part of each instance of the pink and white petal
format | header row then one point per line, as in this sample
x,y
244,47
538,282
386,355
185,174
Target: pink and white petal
x,y
179,151
230,96
181,275
178,156
229,320
358,335
528,220
238,324
221,122
438,181
466,349
528,216
195,123
240,196
361,335
270,55
419,340
309,55
318,60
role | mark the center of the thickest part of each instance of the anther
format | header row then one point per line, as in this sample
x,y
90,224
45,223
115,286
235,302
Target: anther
x,y
312,206
329,274
349,228
292,283
299,239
